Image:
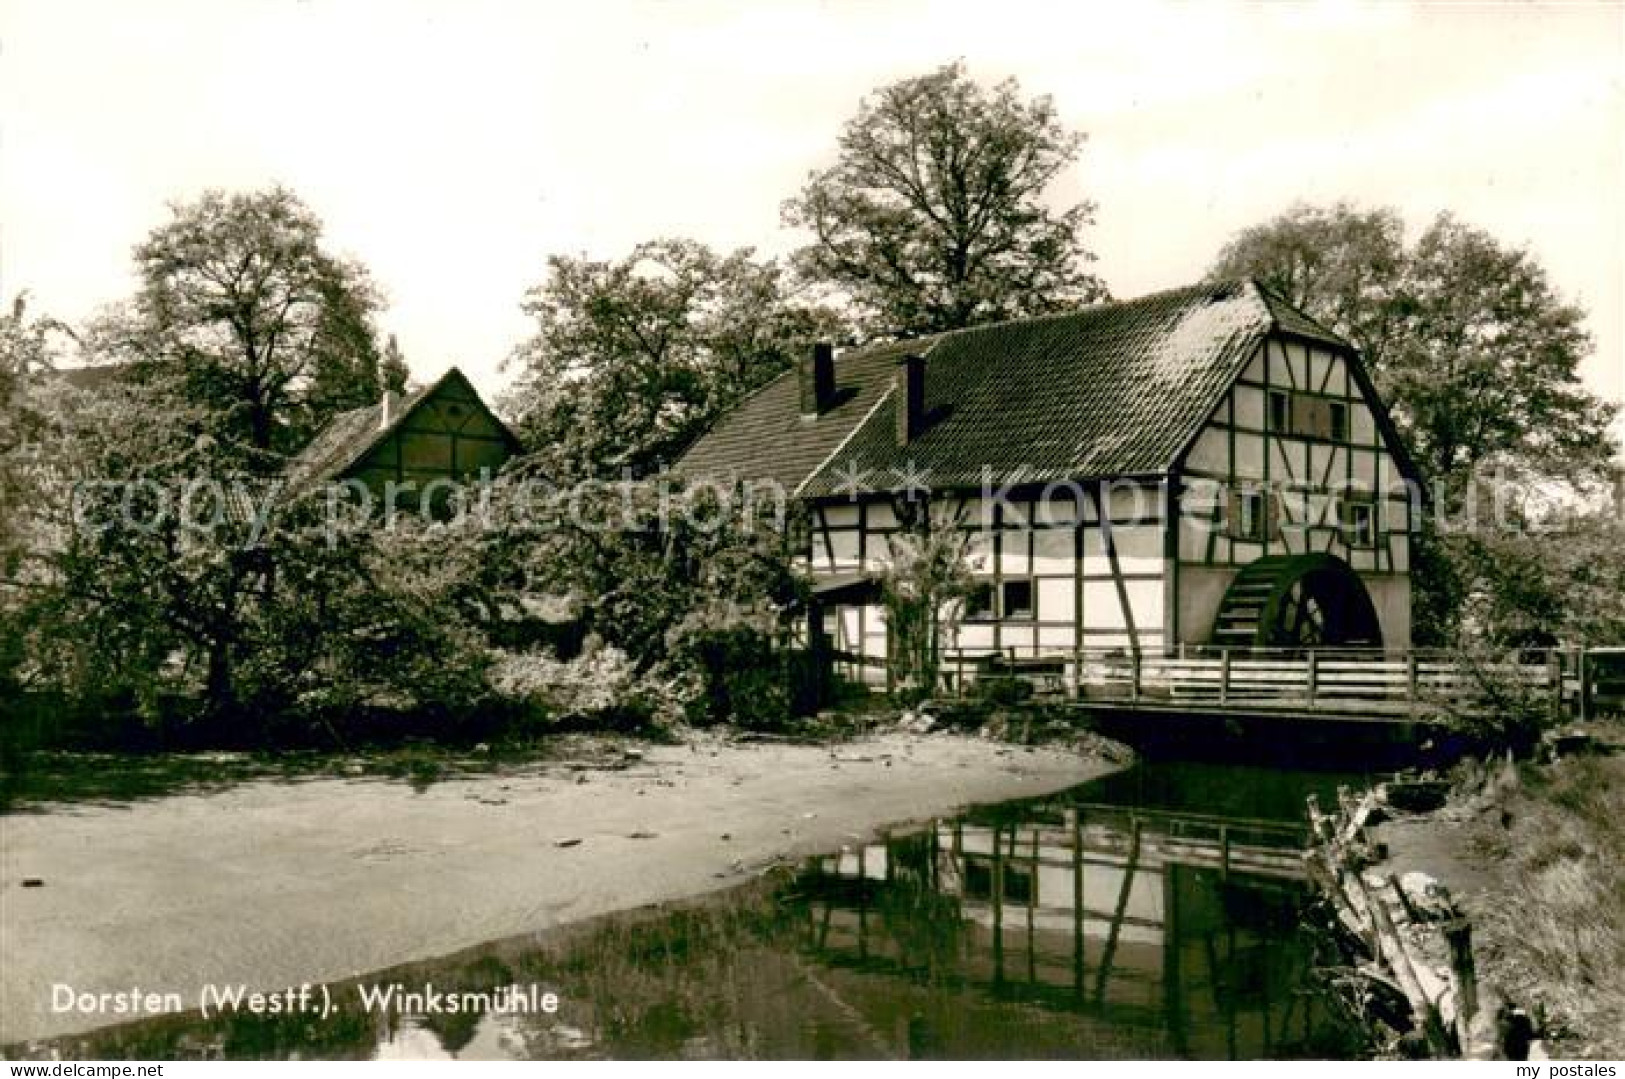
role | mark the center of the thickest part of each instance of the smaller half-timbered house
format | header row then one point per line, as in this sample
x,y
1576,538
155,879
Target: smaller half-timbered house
x,y
1206,466
409,447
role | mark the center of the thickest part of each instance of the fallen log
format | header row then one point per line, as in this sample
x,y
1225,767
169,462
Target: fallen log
x,y
1426,953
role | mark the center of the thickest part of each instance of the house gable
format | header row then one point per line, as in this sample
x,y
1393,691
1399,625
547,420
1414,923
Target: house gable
x,y
443,431
1298,458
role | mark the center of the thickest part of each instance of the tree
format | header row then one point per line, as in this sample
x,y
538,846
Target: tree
x,y
1341,264
633,358
933,216
242,310
27,351
1484,364
1475,352
1561,583
929,574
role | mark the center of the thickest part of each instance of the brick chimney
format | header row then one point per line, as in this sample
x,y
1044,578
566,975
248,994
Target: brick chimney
x,y
910,404
817,375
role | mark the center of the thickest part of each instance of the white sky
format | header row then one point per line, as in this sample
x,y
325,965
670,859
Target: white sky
x,y
452,145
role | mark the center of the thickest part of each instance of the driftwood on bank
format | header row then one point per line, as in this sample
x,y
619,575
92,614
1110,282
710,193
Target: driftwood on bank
x,y
1417,939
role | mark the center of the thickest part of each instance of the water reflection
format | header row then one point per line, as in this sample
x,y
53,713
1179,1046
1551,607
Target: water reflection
x,y
1113,921
1101,930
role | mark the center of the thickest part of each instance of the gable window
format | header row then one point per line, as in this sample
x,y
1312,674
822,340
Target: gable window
x,y
1337,423
1249,513
1308,416
1358,521
1280,412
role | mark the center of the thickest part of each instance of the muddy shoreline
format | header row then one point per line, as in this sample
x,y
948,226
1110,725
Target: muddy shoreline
x,y
270,885
1531,854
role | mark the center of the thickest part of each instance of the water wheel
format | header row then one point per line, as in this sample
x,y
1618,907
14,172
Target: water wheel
x,y
1297,601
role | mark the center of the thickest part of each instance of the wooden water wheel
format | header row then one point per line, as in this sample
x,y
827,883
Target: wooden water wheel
x,y
1297,602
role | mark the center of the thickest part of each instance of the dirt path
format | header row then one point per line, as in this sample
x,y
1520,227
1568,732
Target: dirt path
x,y
272,885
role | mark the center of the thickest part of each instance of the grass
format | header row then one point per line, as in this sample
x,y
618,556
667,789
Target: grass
x,y
1551,931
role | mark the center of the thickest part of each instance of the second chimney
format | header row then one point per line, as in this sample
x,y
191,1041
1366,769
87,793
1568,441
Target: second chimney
x,y
910,403
386,410
817,376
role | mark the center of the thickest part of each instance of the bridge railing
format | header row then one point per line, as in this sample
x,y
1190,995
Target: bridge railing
x,y
1413,681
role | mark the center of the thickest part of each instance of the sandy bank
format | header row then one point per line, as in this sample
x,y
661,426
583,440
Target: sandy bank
x,y
272,884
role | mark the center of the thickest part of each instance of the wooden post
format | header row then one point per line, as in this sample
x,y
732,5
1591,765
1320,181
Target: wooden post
x,y
1583,671
1134,686
1410,680
1078,964
1459,935
1404,900
1224,675
1554,671
998,904
1314,675
1224,852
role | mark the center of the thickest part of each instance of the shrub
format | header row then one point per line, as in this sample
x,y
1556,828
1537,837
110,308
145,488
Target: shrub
x,y
1004,689
601,687
743,678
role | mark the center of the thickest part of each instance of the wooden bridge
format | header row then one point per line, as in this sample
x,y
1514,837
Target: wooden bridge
x,y
1344,685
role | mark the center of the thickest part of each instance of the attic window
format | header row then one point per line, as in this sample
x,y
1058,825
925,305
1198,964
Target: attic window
x,y
1308,416
1249,514
1357,518
1337,421
1280,412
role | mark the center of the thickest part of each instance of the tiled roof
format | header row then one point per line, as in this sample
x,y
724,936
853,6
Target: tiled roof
x,y
344,441
766,437
1112,389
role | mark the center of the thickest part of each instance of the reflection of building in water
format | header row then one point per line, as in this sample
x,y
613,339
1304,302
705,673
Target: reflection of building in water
x,y
1178,927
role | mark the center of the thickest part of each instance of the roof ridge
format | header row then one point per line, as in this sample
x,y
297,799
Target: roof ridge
x,y
818,469
1268,295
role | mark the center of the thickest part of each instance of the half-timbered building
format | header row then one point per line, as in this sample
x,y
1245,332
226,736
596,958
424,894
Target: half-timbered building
x,y
1206,466
409,446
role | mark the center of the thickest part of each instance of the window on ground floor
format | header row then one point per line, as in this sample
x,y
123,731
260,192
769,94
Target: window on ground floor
x,y
1008,598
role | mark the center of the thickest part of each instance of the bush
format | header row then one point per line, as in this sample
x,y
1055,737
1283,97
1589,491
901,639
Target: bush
x,y
600,687
745,680
1004,689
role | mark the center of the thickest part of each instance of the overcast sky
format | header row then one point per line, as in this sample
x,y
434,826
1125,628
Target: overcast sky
x,y
452,145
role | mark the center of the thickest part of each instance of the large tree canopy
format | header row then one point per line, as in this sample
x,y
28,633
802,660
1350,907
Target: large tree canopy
x,y
1474,350
1484,363
933,216
27,352
242,310
632,358
1341,264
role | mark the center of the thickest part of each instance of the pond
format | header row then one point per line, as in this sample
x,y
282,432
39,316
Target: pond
x,y
1152,913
